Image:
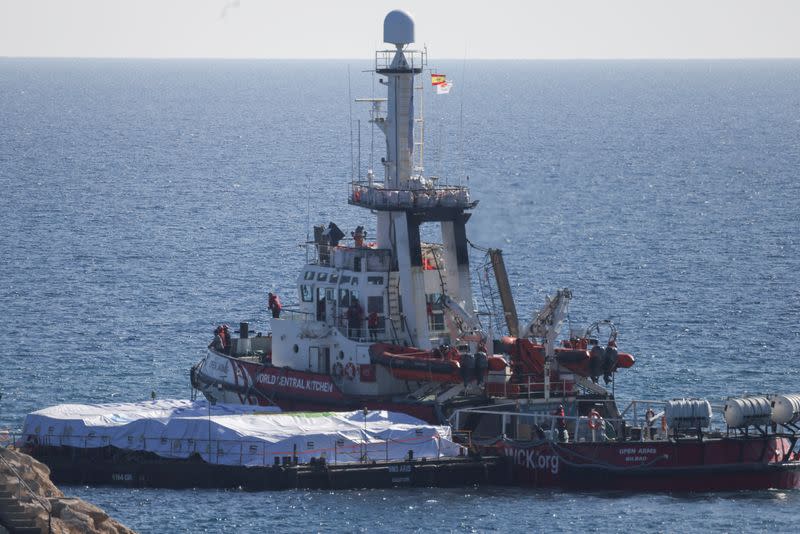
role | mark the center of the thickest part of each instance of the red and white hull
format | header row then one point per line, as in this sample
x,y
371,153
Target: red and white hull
x,y
724,464
227,379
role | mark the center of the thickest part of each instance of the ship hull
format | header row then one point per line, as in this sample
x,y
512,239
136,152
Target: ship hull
x,y
232,380
725,464
108,466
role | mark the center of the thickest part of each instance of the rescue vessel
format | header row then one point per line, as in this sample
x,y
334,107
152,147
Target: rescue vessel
x,y
392,325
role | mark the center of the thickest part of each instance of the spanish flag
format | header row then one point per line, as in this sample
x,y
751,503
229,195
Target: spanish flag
x,y
437,79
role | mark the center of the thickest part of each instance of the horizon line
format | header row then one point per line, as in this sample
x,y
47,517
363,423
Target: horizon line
x,y
258,58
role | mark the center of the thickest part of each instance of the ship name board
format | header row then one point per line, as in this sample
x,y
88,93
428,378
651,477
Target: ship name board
x,y
633,454
295,383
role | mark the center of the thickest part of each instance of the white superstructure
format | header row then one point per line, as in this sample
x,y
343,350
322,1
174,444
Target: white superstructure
x,y
397,279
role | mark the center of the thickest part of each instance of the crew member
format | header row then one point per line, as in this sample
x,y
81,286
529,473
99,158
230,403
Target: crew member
x,y
481,366
649,416
561,424
467,367
358,236
274,305
372,324
355,316
226,339
217,344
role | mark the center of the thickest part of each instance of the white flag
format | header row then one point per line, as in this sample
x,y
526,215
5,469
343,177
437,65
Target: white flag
x,y
444,88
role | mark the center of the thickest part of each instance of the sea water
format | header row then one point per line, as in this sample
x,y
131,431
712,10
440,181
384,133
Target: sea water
x,y
144,202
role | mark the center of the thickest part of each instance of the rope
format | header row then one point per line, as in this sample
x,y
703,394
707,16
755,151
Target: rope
x,y
476,247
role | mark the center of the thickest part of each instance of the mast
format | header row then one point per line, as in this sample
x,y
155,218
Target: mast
x,y
396,230
406,199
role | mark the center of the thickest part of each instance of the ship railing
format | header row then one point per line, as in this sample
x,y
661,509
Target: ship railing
x,y
637,409
362,332
530,388
318,253
250,453
416,59
420,195
522,425
296,314
463,437
648,427
7,439
348,256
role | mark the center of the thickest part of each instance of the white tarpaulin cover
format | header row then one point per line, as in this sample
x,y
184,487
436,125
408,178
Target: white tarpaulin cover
x,y
238,435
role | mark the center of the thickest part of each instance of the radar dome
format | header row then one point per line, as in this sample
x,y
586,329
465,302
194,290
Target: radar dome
x,y
398,28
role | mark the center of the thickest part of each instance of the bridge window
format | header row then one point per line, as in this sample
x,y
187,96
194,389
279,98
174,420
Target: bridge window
x,y
306,293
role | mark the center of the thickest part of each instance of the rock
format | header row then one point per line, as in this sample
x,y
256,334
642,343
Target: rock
x,y
69,514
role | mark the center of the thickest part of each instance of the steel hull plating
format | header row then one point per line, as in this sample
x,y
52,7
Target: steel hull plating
x,y
232,380
725,464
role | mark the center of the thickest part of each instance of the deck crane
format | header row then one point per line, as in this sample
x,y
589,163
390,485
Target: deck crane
x,y
463,325
547,325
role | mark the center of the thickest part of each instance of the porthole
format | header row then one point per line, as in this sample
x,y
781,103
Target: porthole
x,y
296,349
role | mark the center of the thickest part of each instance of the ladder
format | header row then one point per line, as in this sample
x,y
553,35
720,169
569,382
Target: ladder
x,y
590,386
427,389
450,392
394,315
419,126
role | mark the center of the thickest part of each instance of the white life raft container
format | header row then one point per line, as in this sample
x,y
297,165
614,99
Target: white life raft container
x,y
786,409
688,413
746,411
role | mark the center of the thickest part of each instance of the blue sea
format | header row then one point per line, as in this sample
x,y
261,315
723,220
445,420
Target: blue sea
x,y
143,202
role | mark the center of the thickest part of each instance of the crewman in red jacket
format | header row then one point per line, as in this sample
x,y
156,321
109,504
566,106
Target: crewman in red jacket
x,y
274,305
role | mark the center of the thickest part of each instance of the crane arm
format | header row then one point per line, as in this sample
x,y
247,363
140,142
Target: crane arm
x,y
547,324
465,325
550,318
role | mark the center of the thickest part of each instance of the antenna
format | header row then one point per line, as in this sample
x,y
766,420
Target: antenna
x,y
350,107
372,132
461,119
308,212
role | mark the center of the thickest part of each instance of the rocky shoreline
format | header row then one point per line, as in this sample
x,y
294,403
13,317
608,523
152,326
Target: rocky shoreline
x,y
23,513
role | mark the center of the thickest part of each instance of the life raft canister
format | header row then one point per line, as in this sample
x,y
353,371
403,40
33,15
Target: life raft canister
x,y
350,371
594,419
